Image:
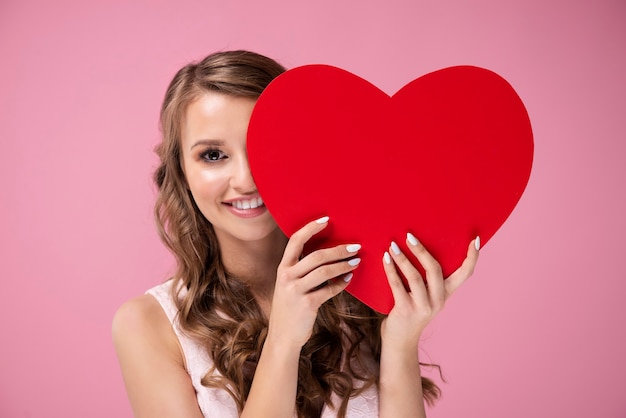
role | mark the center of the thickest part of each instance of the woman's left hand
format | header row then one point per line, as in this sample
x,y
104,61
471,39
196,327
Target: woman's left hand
x,y
415,308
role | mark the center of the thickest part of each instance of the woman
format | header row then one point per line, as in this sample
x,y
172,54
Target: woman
x,y
248,326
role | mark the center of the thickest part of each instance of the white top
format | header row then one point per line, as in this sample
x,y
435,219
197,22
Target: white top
x,y
216,403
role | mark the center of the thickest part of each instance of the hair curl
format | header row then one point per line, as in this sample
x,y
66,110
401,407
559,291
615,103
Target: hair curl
x,y
218,310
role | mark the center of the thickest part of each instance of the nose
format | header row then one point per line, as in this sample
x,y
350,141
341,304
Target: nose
x,y
241,179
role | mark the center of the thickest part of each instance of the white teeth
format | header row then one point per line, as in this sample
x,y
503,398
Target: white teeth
x,y
248,204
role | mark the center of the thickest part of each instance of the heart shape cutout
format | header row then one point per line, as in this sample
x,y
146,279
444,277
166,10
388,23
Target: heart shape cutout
x,y
447,158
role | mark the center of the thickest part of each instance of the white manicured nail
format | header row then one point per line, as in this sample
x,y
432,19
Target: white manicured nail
x,y
354,262
477,243
322,220
387,258
395,248
353,248
348,277
412,239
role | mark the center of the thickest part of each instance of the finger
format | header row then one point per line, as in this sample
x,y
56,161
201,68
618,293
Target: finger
x,y
299,238
413,276
317,297
457,278
434,276
400,295
322,274
324,256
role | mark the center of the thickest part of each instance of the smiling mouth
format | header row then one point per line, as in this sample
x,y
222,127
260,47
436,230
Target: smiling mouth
x,y
245,204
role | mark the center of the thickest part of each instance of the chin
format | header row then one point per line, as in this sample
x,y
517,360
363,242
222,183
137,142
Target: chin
x,y
267,234
260,233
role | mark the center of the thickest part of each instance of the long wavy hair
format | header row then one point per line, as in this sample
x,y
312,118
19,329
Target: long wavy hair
x,y
218,310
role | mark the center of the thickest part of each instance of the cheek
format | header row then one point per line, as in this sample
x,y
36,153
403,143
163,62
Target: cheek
x,y
207,185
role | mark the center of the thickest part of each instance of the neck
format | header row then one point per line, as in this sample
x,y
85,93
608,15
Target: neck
x,y
254,262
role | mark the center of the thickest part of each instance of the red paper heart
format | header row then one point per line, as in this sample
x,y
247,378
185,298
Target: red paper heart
x,y
446,158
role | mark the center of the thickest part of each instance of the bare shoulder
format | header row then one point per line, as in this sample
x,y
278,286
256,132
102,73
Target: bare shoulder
x,y
141,329
142,320
151,360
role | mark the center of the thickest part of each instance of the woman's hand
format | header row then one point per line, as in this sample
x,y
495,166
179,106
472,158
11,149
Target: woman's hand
x,y
303,285
414,309
400,384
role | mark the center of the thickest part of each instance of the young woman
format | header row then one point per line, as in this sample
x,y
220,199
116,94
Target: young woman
x,y
249,326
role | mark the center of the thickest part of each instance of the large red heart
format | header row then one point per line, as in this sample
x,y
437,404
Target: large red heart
x,y
446,158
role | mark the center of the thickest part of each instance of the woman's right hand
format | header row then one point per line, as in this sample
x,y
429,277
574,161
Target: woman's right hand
x,y
303,285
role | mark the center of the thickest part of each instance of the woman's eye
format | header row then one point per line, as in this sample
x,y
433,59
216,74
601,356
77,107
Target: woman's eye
x,y
213,155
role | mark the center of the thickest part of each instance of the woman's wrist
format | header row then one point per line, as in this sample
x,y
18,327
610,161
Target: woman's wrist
x,y
404,342
400,352
281,346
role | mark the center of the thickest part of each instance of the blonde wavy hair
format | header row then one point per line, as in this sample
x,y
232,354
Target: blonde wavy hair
x,y
218,310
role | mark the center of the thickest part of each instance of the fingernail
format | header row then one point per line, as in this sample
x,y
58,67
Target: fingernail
x,y
354,262
353,248
348,277
412,239
395,248
322,220
477,243
387,258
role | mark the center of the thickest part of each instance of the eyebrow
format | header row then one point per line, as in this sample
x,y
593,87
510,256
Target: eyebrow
x,y
213,142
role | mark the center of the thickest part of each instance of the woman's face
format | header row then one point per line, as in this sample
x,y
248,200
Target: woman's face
x,y
215,163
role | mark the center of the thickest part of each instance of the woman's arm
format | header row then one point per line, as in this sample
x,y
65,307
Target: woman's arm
x,y
152,362
297,298
400,379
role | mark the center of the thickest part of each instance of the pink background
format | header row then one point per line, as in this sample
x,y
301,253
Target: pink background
x,y
538,331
